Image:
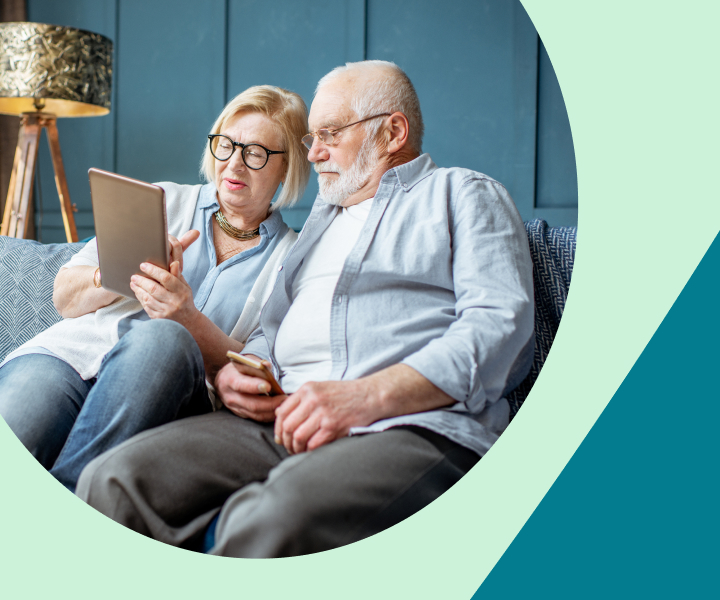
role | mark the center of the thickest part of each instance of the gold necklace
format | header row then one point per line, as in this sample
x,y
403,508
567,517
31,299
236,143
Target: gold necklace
x,y
238,234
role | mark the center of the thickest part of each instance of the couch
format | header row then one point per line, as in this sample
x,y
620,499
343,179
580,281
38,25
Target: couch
x,y
28,268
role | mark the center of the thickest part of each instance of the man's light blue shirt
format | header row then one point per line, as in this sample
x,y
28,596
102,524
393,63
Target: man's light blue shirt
x,y
440,279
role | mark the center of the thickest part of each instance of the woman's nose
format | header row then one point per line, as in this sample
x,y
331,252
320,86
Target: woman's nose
x,y
236,162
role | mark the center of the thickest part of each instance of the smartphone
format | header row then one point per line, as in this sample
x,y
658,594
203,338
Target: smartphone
x,y
263,371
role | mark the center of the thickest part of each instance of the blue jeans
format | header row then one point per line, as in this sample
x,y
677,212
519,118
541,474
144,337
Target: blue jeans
x,y
152,376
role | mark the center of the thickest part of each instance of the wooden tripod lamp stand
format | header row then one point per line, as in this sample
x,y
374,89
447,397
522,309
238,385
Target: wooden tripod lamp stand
x,y
47,72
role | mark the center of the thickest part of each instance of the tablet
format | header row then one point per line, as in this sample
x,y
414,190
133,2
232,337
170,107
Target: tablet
x,y
130,226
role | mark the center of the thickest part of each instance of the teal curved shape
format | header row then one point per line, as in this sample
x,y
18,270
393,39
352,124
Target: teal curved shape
x,y
634,514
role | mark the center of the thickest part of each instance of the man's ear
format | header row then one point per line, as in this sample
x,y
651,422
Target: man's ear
x,y
396,132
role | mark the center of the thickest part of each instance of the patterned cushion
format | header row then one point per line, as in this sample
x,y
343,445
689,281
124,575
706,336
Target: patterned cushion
x,y
27,272
553,254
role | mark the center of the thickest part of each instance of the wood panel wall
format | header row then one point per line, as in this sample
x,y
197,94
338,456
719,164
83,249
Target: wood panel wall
x,y
490,98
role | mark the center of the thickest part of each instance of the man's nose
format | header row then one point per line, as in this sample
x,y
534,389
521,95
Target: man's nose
x,y
318,151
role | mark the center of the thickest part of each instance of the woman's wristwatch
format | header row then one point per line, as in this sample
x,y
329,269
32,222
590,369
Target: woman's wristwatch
x,y
97,279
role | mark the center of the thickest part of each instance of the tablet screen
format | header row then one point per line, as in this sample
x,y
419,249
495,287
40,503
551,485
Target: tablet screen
x,y
130,225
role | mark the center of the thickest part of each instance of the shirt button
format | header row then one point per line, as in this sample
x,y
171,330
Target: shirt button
x,y
338,300
280,268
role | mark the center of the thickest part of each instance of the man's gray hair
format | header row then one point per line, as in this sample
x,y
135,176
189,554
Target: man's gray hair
x,y
386,89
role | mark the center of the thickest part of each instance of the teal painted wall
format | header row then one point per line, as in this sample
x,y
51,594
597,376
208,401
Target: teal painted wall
x,y
489,95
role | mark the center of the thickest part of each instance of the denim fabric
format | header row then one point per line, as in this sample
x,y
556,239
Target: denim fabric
x,y
40,399
440,279
153,375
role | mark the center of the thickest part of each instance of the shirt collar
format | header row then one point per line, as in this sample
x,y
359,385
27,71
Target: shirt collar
x,y
273,223
208,197
408,175
411,173
208,200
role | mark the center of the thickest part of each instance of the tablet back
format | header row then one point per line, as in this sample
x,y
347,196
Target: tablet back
x,y
130,225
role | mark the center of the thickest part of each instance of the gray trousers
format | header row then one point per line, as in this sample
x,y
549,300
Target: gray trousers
x,y
170,482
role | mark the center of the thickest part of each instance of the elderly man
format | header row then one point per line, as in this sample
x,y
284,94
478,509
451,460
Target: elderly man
x,y
398,322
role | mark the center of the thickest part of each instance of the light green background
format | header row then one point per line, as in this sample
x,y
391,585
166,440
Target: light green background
x,y
640,84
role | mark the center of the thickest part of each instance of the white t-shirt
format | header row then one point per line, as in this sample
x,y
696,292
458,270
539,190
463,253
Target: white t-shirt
x,y
302,346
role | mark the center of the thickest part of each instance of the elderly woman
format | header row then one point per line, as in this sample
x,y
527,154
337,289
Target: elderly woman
x,y
108,370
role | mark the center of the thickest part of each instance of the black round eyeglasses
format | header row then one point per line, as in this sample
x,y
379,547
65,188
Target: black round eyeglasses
x,y
254,156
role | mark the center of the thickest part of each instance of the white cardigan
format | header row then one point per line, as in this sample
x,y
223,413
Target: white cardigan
x,y
84,341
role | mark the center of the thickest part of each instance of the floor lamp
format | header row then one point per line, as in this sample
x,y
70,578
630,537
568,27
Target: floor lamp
x,y
47,71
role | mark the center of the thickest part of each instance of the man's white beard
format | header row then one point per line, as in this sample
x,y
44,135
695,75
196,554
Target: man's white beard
x,y
350,180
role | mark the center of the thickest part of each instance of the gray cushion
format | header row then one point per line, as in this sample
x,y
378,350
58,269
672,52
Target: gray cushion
x,y
27,272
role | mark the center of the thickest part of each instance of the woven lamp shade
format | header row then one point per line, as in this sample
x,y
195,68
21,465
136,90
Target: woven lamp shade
x,y
60,70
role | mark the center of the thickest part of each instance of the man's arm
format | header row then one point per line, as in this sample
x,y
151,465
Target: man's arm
x,y
319,413
490,340
470,363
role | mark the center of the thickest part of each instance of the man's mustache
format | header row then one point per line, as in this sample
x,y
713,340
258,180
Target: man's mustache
x,y
327,167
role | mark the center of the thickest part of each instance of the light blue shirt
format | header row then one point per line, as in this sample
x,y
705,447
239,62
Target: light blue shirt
x,y
220,291
439,279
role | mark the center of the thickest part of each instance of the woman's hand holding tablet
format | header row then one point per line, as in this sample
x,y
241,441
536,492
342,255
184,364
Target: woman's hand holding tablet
x,y
165,294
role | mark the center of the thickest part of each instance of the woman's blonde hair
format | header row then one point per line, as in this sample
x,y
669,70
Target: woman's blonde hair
x,y
288,111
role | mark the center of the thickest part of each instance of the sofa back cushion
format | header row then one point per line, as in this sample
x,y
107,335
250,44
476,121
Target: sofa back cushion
x,y
27,272
553,255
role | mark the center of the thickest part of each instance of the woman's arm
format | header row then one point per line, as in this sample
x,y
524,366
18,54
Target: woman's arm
x,y
74,291
166,295
75,294
213,344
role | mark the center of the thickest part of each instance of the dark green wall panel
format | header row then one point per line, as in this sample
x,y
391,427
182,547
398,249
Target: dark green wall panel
x,y
556,178
489,95
292,45
170,80
474,66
